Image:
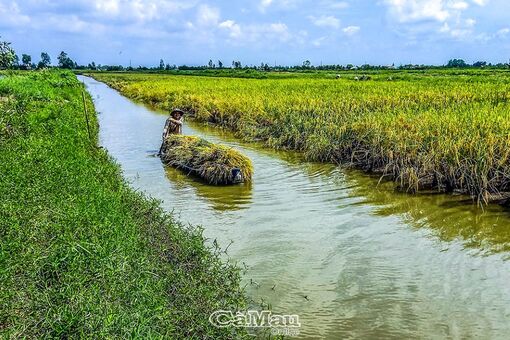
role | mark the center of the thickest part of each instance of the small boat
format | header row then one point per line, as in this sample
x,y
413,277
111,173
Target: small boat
x,y
236,176
216,164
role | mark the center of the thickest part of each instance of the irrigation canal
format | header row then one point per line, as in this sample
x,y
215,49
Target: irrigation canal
x,y
351,257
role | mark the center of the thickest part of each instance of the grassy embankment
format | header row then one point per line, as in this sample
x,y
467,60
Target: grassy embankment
x,y
437,129
83,255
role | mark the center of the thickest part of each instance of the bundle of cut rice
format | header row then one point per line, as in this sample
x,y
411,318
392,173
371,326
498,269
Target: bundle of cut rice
x,y
217,164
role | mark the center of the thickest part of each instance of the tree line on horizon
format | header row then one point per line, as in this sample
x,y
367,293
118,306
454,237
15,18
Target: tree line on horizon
x,y
10,60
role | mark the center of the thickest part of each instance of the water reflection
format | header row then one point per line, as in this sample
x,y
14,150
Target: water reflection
x,y
447,217
221,198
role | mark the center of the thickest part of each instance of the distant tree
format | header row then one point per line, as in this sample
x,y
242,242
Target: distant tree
x,y
45,60
62,59
211,64
92,66
168,67
456,63
480,64
265,67
7,55
161,64
307,64
15,63
236,64
65,62
114,67
26,61
220,64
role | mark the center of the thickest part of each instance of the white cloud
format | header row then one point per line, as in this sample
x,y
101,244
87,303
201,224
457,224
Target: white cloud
x,y
201,27
470,22
502,33
210,28
70,24
419,17
207,15
336,4
266,3
459,5
351,30
459,33
231,26
481,2
108,6
10,15
319,41
459,29
273,31
260,33
139,10
417,10
445,28
278,28
325,21
263,5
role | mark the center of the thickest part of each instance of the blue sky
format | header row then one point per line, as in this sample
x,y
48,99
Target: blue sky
x,y
282,31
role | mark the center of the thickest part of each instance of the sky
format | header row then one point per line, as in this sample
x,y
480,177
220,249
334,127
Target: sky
x,y
285,32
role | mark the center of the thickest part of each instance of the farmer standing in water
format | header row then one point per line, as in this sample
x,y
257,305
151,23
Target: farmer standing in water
x,y
173,125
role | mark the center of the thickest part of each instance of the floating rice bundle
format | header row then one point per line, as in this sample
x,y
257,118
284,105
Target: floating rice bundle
x,y
217,164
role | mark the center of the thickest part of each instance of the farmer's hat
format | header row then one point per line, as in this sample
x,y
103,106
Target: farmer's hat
x,y
174,111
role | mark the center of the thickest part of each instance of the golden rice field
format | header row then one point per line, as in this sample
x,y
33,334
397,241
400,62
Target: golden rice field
x,y
436,130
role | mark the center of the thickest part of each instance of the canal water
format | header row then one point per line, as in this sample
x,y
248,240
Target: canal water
x,y
349,255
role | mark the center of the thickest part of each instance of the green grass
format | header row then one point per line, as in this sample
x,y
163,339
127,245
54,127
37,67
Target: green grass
x,y
446,130
82,254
